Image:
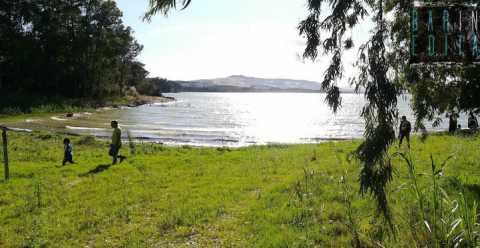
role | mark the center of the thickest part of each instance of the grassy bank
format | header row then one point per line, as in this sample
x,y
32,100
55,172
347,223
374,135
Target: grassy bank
x,y
269,196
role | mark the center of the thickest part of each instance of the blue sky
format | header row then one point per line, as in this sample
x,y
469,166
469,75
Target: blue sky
x,y
218,38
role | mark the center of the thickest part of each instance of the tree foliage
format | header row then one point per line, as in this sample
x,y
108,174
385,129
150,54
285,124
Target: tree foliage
x,y
72,48
384,75
374,64
164,6
157,86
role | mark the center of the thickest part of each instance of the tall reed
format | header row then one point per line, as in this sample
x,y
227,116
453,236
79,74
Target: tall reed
x,y
443,221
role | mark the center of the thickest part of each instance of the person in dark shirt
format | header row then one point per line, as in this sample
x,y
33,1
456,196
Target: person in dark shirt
x,y
405,129
452,125
68,152
472,121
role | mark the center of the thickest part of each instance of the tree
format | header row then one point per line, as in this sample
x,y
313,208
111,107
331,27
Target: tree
x,y
157,86
67,48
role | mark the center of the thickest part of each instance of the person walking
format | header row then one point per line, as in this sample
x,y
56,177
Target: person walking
x,y
472,121
452,124
116,143
404,132
67,152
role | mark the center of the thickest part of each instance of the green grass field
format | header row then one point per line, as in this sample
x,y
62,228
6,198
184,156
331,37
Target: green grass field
x,y
266,196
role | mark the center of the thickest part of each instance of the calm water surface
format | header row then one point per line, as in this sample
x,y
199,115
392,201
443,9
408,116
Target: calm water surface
x,y
230,119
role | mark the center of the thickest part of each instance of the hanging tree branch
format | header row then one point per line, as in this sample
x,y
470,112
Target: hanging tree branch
x,y
380,112
344,16
163,7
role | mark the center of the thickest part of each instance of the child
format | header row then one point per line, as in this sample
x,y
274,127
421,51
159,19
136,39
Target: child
x,y
116,143
68,149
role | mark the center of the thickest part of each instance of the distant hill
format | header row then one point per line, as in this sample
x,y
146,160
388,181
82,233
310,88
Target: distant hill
x,y
238,83
244,83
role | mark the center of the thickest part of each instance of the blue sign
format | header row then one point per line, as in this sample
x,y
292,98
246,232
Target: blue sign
x,y
444,33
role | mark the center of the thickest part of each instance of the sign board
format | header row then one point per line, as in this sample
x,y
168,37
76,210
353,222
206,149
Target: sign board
x,y
444,33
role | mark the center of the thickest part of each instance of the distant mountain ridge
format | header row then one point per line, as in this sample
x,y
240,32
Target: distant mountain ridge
x,y
241,83
235,83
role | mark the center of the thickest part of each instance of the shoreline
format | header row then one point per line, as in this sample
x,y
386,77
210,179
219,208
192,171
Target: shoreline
x,y
127,101
229,145
143,100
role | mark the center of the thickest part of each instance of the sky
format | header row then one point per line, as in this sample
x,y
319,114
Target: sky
x,y
219,38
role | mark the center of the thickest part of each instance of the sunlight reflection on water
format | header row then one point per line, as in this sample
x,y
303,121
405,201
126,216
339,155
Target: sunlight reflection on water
x,y
237,119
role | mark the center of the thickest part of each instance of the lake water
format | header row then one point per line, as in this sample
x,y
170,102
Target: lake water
x,y
230,119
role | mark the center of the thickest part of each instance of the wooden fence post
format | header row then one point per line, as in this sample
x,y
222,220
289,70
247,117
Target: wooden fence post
x,y
5,153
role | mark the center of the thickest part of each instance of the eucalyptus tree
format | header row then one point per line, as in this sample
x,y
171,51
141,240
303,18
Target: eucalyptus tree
x,y
67,48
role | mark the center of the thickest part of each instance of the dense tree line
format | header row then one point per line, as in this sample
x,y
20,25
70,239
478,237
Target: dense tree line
x,y
68,48
157,86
